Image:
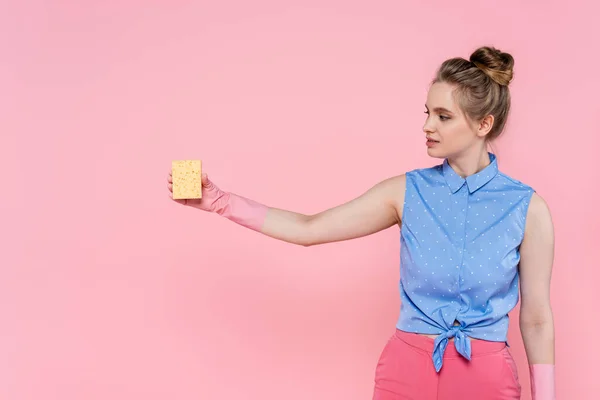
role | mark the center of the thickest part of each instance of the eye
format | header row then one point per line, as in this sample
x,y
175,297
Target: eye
x,y
444,118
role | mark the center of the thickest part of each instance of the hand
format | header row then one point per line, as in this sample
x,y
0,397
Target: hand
x,y
213,199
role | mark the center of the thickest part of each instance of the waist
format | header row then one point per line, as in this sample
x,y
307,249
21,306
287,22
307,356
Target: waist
x,y
432,336
449,339
425,342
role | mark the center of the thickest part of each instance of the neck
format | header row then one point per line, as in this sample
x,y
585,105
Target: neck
x,y
469,164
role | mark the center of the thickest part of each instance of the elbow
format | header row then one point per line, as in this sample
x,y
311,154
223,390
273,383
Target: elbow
x,y
305,236
306,241
314,233
539,330
536,325
536,320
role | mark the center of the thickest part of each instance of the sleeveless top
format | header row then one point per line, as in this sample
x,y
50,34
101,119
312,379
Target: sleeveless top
x,y
459,254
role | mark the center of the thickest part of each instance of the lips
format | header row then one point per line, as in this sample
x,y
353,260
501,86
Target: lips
x,y
431,143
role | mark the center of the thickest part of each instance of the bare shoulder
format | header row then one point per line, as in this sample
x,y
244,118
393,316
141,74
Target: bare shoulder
x,y
538,207
539,217
394,188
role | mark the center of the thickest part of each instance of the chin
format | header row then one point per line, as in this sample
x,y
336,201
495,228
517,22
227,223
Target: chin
x,y
436,153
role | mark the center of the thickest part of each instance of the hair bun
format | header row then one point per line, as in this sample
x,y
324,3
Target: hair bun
x,y
494,63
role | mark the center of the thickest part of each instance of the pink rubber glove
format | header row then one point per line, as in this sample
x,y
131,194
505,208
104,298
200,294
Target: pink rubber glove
x,y
238,209
542,381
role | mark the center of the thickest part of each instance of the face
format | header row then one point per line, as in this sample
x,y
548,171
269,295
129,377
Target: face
x,y
450,132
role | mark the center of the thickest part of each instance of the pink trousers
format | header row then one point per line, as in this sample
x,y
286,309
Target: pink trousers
x,y
405,371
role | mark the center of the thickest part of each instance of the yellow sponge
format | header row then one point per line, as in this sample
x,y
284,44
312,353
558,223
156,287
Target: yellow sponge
x,y
187,179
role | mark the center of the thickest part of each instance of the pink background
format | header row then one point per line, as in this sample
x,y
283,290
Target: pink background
x,y
109,290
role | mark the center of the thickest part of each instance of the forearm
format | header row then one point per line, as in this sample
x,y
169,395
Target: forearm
x,y
292,227
289,226
371,212
538,339
277,223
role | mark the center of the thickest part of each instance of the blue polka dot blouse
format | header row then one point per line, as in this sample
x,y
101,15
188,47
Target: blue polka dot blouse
x,y
459,254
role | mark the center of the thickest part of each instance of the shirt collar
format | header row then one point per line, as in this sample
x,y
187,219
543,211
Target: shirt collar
x,y
475,181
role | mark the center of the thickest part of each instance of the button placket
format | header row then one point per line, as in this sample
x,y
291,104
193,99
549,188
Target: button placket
x,y
461,239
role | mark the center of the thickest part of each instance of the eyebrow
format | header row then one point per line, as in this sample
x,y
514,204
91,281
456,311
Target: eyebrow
x,y
440,109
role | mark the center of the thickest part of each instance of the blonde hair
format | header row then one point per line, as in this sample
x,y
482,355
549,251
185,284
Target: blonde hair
x,y
481,85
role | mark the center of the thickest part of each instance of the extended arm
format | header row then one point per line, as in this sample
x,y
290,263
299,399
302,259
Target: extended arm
x,y
377,209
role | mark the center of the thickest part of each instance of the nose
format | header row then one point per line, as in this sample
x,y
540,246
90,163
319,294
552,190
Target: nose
x,y
428,128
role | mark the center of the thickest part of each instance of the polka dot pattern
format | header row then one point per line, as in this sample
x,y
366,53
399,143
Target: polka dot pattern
x,y
459,254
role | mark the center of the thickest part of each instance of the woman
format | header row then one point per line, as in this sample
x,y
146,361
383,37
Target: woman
x,y
469,234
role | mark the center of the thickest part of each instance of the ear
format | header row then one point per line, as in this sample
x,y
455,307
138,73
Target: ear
x,y
485,126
